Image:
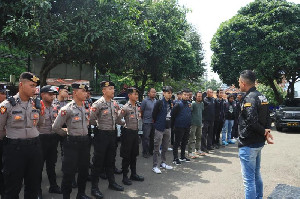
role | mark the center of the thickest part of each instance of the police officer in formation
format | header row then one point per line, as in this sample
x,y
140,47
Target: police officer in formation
x,y
104,114
49,139
76,145
2,98
131,112
22,154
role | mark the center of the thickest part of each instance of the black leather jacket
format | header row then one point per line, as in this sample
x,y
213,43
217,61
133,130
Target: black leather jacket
x,y
254,118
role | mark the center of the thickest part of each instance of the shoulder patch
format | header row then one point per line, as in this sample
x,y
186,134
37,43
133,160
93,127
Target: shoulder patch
x,y
3,109
247,105
63,113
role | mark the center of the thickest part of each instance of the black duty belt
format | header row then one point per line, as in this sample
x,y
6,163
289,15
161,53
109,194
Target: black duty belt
x,y
78,138
28,141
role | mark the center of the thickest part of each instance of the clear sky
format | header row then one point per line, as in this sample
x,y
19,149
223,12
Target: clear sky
x,y
207,15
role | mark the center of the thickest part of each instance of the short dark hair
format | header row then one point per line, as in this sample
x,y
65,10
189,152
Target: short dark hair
x,y
197,93
167,89
231,95
186,90
249,76
179,93
149,89
219,90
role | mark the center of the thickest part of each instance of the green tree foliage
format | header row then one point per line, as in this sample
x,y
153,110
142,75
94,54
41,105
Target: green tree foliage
x,y
269,93
12,62
264,36
140,39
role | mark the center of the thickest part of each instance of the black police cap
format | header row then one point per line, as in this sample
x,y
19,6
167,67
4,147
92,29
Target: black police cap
x,y
79,86
31,77
106,84
131,90
48,89
63,87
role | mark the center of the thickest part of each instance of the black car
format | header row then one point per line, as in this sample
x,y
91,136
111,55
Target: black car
x,y
288,114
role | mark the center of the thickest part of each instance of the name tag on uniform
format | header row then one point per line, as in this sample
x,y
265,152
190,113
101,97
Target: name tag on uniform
x,y
16,112
104,108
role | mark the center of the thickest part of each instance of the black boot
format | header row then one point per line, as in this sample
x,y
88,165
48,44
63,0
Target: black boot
x,y
126,180
136,177
117,171
103,176
95,192
115,186
55,189
82,196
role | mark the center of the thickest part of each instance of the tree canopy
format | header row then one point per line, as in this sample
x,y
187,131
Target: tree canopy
x,y
144,40
264,36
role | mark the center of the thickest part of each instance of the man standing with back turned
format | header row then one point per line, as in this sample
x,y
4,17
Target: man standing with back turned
x,y
254,130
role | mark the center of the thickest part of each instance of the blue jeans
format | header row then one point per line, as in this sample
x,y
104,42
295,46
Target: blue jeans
x,y
227,128
250,162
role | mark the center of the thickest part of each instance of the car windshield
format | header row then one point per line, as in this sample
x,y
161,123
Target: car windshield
x,y
292,102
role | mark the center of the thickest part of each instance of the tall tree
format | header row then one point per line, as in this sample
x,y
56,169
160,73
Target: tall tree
x,y
264,36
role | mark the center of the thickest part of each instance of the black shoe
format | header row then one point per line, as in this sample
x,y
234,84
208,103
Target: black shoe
x,y
74,184
117,171
126,181
116,187
210,149
146,155
176,161
95,192
103,176
184,159
217,146
82,196
136,177
55,189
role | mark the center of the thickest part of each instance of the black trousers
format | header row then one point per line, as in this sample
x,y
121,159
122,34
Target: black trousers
x,y
207,135
104,156
1,167
76,158
218,125
129,151
181,138
49,143
22,160
235,132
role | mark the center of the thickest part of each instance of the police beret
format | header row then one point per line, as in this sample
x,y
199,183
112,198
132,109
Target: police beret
x,y
48,89
31,77
132,89
106,83
63,87
2,88
79,86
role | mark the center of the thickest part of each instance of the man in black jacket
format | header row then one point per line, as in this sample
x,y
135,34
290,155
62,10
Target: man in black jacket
x,y
208,121
254,130
219,118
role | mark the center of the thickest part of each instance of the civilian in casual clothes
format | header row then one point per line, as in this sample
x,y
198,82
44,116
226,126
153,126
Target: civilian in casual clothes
x,y
219,118
196,128
230,112
181,116
148,128
162,123
208,122
179,96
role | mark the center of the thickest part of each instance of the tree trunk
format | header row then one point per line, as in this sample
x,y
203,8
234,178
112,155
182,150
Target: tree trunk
x,y
277,94
142,88
291,88
49,64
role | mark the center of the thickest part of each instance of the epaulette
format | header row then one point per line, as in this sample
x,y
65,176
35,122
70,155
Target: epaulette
x,y
12,101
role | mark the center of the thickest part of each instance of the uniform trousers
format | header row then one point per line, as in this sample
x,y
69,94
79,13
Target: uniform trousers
x,y
49,143
181,138
129,150
104,156
76,158
22,160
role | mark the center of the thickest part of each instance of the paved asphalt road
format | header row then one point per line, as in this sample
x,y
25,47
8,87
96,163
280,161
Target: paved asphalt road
x,y
214,176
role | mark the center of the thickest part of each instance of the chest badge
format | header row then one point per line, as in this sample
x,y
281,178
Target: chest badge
x,y
3,109
17,117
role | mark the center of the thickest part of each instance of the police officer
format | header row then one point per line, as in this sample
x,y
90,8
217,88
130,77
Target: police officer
x,y
254,129
131,112
49,139
62,97
104,114
22,156
2,98
76,145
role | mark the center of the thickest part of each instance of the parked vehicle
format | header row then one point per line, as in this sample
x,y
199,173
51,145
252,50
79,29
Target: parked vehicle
x,y
288,114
